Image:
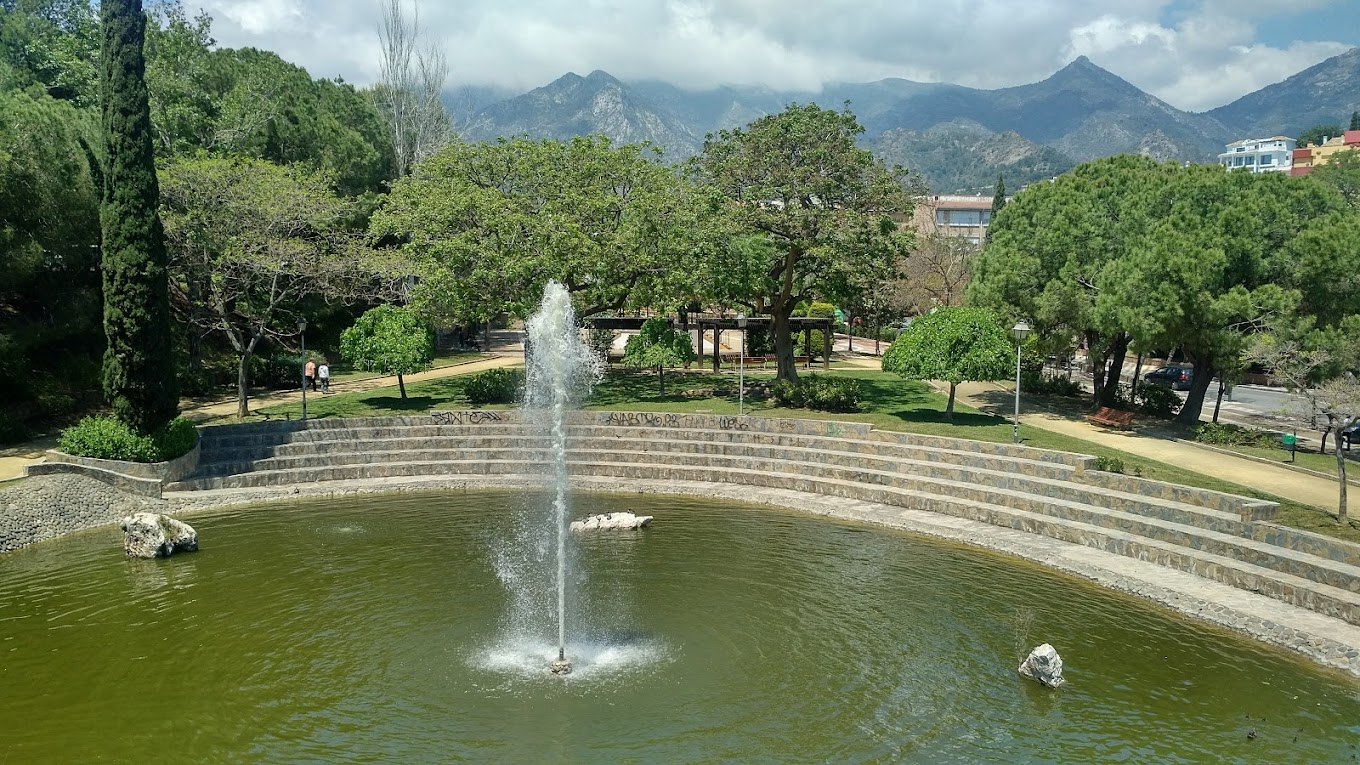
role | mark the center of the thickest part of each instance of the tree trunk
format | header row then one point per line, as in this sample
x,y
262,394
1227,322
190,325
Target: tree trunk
x,y
783,344
1115,369
1097,369
1341,478
1137,378
1194,399
242,380
949,408
661,378
401,385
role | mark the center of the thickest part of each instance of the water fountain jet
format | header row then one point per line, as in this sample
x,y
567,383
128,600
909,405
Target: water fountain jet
x,y
559,371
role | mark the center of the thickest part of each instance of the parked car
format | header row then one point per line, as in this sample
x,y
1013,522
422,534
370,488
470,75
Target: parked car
x,y
1175,378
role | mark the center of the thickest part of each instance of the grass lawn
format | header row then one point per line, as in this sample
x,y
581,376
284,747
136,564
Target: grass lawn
x,y
889,403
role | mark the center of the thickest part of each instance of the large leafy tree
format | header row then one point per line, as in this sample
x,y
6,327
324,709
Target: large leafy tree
x,y
51,46
1050,247
49,276
823,206
952,344
252,240
489,224
1211,267
391,340
139,375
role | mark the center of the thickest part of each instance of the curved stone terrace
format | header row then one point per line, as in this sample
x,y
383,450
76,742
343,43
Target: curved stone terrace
x,y
1213,556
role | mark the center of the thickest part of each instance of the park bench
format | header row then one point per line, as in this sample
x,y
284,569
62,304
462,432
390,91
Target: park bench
x,y
1111,418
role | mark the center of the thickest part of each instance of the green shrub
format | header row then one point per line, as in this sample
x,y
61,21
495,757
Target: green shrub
x,y
1050,385
827,394
494,386
1110,464
176,439
277,372
1158,401
1223,434
108,438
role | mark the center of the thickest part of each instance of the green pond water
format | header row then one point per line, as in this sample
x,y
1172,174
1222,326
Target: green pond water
x,y
382,630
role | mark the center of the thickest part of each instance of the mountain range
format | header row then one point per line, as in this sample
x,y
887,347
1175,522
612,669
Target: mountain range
x,y
958,139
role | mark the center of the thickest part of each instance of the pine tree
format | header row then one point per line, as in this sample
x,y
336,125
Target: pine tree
x,y
1355,120
139,379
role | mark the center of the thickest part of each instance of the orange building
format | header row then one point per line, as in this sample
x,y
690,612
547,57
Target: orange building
x,y
1311,156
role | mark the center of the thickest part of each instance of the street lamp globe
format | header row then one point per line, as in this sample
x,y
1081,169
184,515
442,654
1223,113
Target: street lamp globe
x,y
1020,331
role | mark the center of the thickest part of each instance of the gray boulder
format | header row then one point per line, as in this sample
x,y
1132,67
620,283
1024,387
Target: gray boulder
x,y
611,521
1043,665
152,535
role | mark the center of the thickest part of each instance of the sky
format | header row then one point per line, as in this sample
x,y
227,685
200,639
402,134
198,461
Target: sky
x,y
1193,54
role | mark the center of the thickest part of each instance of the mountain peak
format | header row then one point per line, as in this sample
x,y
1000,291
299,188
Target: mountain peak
x,y
601,77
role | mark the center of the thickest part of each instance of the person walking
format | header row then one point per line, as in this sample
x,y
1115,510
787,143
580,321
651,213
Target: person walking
x,y
309,375
323,376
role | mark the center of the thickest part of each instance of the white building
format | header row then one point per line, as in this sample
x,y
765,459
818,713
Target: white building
x,y
1259,155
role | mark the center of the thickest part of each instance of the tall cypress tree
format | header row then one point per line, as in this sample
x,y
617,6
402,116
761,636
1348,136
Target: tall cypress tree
x,y
139,378
1355,120
998,202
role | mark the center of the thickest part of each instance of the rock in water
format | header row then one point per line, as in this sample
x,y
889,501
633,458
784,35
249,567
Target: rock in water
x,y
611,521
152,535
1043,665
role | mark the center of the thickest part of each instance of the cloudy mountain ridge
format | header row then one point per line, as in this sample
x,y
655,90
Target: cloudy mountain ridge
x,y
956,137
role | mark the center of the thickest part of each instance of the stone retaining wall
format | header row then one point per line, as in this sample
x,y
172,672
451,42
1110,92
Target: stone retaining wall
x,y
48,506
141,478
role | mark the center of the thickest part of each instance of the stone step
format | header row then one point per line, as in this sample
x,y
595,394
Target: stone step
x,y
217,461
946,448
298,456
1183,525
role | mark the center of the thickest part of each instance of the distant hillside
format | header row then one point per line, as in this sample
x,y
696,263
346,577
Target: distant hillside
x,y
1327,92
596,104
964,157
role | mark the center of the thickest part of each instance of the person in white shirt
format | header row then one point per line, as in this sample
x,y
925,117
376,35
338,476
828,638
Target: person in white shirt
x,y
323,376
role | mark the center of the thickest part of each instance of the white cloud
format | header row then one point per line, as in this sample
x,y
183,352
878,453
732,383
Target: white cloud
x,y
1195,54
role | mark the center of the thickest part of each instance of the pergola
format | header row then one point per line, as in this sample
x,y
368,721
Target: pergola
x,y
800,324
720,323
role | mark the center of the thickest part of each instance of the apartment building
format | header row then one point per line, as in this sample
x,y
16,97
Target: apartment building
x,y
966,217
1312,156
1259,155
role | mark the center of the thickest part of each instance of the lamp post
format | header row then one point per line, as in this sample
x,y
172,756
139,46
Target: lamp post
x,y
302,332
741,367
1020,331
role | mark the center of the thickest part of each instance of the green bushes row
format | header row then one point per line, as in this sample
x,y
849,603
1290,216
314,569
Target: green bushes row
x,y
1223,434
108,438
494,386
827,394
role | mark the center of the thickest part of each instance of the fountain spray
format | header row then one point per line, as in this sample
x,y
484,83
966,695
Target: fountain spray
x,y
560,370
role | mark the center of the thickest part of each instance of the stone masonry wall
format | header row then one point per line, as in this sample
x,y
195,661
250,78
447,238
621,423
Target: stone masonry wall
x,y
47,506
